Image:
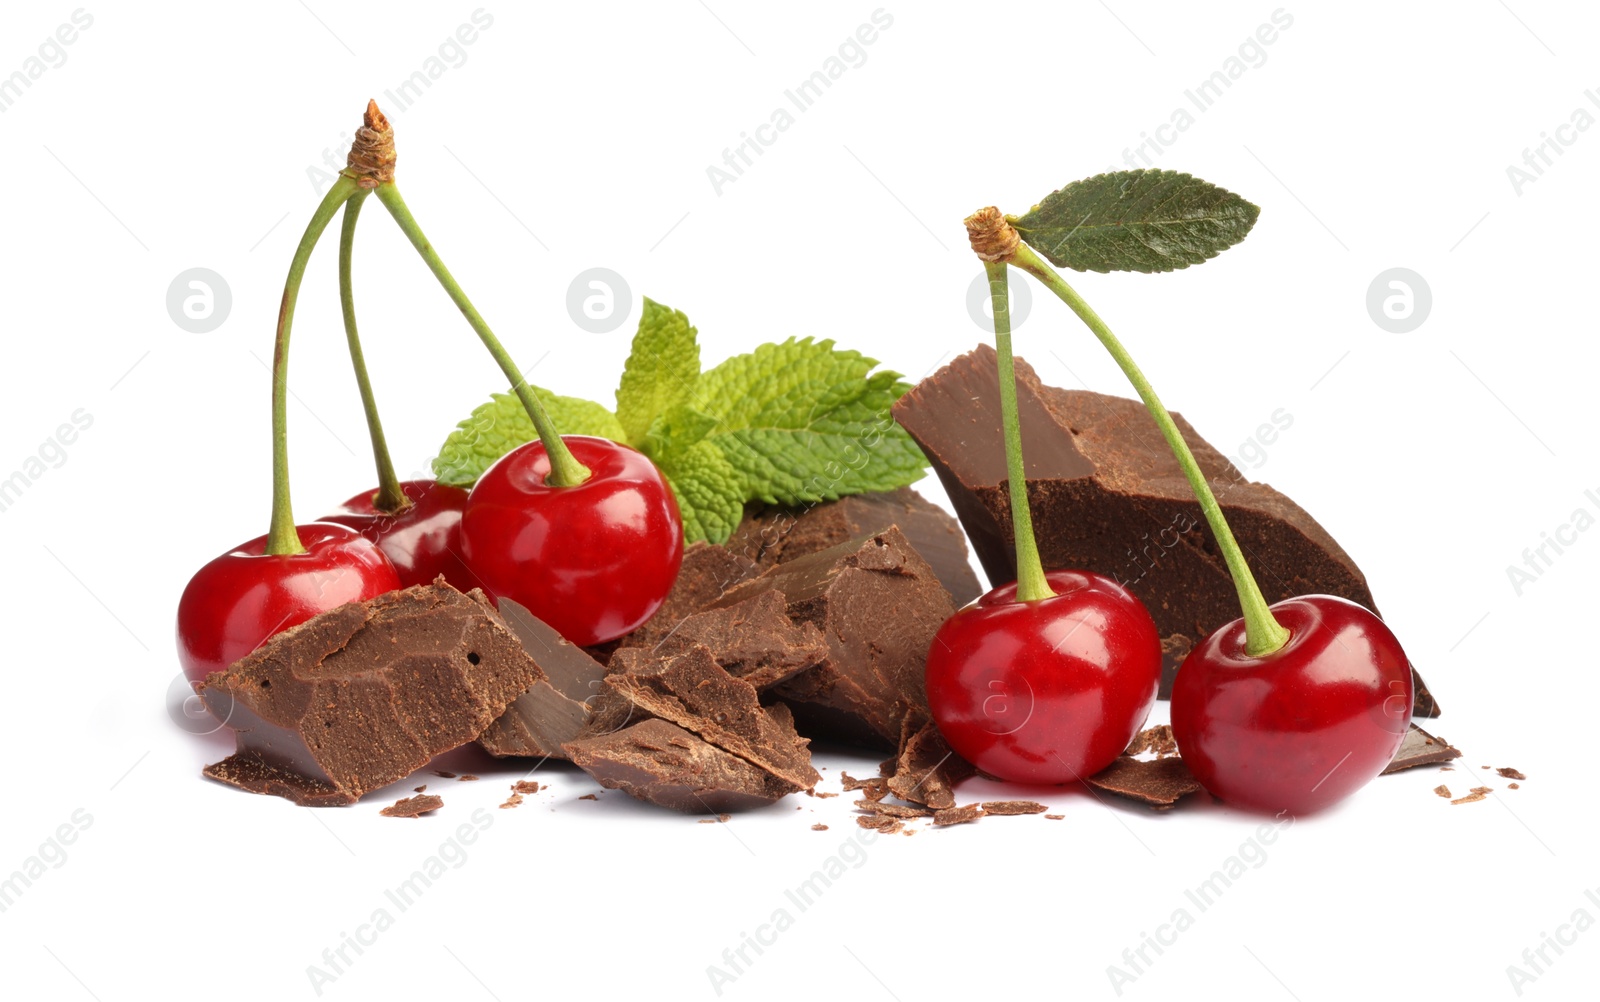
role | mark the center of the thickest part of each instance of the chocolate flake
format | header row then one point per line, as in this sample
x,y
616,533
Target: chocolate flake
x,y
411,807
1510,773
589,796
1054,817
1005,807
956,815
1442,790
926,770
525,786
882,823
1478,793
1421,748
819,827
511,801
1157,739
1158,783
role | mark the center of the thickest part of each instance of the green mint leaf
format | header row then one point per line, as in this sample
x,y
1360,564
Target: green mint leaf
x,y
660,372
497,427
676,430
709,492
803,422
1136,220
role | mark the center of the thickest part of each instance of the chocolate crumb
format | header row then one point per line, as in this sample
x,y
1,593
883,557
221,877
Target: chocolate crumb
x,y
957,815
589,796
444,775
1513,786
892,810
1157,739
1442,790
1510,773
883,823
819,828
1477,794
1447,768
525,786
421,788
467,779
511,801
825,794
1005,807
410,807
1054,817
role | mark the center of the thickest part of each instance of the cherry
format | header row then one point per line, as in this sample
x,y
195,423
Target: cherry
x,y
235,602
1304,726
422,540
1047,691
595,559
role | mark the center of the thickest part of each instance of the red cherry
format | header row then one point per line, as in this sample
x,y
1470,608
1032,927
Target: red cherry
x,y
1048,691
422,542
594,560
1304,726
241,598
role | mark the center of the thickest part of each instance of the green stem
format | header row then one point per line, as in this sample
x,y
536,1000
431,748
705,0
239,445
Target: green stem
x,y
1031,583
565,470
1263,633
282,537
390,498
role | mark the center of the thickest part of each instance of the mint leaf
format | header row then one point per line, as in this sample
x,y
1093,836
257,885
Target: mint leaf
x,y
710,495
1136,220
660,372
803,422
675,431
497,427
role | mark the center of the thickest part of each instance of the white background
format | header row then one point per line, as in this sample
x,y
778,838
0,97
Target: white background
x,y
574,136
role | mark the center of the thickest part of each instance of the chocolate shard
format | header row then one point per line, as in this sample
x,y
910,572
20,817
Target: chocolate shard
x,y
878,605
1001,808
553,710
707,571
1107,496
957,815
926,770
413,807
754,640
694,692
1421,748
774,535
662,763
366,694
1158,783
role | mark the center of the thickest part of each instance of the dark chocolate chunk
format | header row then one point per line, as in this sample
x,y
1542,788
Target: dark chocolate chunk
x,y
926,770
1106,495
411,807
707,571
754,640
878,605
664,764
554,709
1005,807
1421,748
1160,783
366,694
774,535
957,815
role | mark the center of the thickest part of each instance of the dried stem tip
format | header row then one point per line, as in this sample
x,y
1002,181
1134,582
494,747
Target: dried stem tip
x,y
372,155
993,239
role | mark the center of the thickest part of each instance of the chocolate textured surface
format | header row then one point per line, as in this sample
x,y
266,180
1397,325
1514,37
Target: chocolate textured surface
x,y
878,605
1108,496
754,640
366,694
554,709
1159,783
708,570
662,763
926,770
1421,748
774,535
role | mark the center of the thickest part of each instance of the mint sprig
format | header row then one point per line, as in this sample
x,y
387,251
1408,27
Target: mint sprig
x,y
1136,220
793,423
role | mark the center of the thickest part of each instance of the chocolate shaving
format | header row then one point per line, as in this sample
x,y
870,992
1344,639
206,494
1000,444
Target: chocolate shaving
x,y
411,807
511,801
882,823
1510,773
1478,793
956,815
926,770
1442,790
1158,783
1009,807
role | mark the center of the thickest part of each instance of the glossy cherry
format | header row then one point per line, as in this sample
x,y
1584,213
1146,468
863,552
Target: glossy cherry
x,y
241,598
424,540
593,560
1304,726
1047,691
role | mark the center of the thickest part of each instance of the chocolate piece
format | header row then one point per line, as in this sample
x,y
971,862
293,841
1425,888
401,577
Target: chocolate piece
x,y
707,571
511,801
871,806
589,796
1005,807
1510,773
525,786
467,779
366,694
661,762
552,710
421,788
411,807
878,605
1054,817
1420,748
956,815
754,640
1157,739
774,535
443,774
1106,495
1478,793
1442,790
1513,786
884,824
694,692
819,827
926,770
1160,783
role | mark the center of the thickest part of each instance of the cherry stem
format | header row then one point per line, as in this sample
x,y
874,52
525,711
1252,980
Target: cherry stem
x,y
282,538
1263,633
565,469
390,498
1031,582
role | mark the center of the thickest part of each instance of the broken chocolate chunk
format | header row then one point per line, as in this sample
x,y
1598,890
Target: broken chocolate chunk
x,y
754,640
774,535
412,807
552,710
926,770
366,694
707,571
1159,783
1420,748
878,605
664,764
1107,496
